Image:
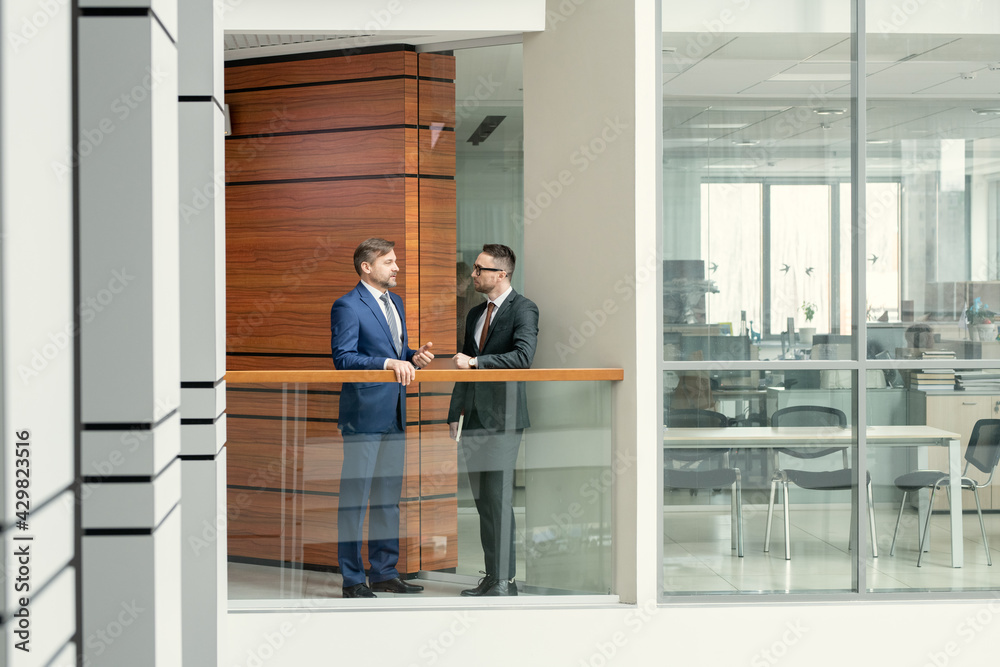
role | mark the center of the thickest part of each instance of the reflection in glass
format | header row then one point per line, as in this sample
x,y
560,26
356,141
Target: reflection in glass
x,y
932,403
942,158
933,155
721,459
285,480
489,172
753,159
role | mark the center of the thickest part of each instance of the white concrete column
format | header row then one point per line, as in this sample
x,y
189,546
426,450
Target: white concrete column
x,y
203,326
37,336
591,171
130,334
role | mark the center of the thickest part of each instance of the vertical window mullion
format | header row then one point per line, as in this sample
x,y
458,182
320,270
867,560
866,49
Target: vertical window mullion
x,y
765,225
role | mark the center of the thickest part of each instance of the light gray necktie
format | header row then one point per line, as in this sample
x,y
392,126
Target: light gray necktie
x,y
393,329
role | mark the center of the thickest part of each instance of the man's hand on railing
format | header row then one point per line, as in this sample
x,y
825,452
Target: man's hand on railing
x,y
404,370
462,360
423,356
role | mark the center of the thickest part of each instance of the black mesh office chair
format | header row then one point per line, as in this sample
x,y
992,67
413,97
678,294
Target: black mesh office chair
x,y
704,468
983,452
824,480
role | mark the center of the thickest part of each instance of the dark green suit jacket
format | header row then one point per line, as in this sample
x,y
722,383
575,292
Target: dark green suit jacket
x,y
510,343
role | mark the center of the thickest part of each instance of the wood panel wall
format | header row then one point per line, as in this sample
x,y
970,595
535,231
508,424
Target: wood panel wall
x,y
327,150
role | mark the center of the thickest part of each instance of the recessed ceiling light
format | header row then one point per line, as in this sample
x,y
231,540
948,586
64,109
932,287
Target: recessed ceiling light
x,y
877,142
745,142
745,165
716,126
829,111
689,140
987,112
669,49
811,76
752,107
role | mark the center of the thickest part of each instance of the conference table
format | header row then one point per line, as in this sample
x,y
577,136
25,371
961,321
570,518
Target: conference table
x,y
768,437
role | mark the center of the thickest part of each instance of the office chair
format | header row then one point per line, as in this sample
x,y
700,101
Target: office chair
x,y
718,476
749,455
983,452
825,480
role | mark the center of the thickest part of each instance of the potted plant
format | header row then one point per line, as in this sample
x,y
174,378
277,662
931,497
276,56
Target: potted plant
x,y
981,320
806,333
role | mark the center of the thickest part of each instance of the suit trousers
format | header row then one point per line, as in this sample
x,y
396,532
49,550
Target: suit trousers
x,y
489,457
372,479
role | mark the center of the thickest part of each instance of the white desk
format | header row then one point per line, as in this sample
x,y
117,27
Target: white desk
x,y
766,437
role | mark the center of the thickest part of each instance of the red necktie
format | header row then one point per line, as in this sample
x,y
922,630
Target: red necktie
x,y
486,326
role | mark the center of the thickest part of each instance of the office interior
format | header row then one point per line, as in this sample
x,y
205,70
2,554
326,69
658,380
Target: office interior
x,y
728,250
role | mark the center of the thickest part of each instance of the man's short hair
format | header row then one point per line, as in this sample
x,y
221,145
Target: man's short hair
x,y
370,250
502,255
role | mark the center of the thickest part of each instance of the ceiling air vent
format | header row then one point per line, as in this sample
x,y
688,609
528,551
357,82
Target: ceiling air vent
x,y
485,129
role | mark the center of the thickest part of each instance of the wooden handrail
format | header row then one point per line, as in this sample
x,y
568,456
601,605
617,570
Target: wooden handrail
x,y
432,375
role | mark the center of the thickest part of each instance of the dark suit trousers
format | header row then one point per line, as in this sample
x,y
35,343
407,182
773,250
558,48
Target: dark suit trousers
x,y
372,474
490,456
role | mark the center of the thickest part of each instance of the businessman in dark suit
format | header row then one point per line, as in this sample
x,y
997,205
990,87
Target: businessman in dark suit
x,y
500,333
368,332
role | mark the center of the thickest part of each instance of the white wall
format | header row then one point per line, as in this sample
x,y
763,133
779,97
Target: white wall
x,y
366,16
202,260
130,349
779,16
591,256
37,334
825,635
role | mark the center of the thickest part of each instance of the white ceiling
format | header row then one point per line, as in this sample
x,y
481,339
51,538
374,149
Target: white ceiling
x,y
744,104
759,90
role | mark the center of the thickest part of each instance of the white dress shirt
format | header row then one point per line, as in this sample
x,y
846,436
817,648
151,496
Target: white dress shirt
x,y
392,307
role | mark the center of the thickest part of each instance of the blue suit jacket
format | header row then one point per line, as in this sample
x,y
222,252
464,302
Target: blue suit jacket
x,y
360,341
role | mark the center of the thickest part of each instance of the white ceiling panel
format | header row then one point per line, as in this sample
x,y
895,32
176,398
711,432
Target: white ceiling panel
x,y
893,47
821,70
911,76
886,48
987,82
904,118
504,81
771,46
693,46
722,77
985,48
820,91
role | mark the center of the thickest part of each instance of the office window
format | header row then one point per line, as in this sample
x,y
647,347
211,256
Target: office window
x,y
882,267
800,255
562,540
758,133
731,234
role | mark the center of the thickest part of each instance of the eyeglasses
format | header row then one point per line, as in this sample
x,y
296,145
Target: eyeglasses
x,y
476,269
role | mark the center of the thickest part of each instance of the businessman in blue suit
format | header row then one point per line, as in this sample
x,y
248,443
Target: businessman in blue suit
x,y
368,332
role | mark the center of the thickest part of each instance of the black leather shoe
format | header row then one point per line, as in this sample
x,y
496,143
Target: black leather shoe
x,y
502,588
485,584
358,591
395,585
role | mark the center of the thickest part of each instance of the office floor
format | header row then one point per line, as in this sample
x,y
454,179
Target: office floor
x,y
264,582
697,557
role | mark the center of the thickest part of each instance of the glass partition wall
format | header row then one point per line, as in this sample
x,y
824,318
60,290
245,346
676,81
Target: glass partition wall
x,y
287,488
933,131
285,483
765,356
